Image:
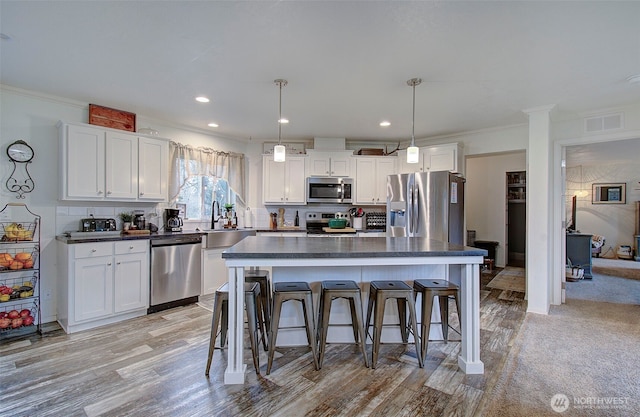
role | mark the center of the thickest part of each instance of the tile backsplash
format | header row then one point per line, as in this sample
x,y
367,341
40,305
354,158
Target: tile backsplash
x,y
68,217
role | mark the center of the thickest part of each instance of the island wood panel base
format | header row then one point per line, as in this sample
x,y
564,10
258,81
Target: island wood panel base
x,y
469,359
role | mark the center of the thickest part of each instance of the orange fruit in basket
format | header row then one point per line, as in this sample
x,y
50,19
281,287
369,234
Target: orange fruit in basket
x,y
23,256
28,263
5,259
16,265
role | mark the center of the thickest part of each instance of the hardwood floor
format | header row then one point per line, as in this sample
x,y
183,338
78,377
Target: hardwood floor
x,y
154,366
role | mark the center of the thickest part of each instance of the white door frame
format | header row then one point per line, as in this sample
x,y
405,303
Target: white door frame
x,y
559,235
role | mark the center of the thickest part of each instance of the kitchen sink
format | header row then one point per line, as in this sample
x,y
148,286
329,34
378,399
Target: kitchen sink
x,y
225,238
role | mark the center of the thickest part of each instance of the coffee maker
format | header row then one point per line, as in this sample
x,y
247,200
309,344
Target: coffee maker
x,y
138,220
172,220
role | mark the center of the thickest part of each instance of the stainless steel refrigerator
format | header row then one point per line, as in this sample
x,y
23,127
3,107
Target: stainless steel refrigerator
x,y
426,204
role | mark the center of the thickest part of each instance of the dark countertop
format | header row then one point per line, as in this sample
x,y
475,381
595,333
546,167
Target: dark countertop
x,y
111,238
281,230
254,247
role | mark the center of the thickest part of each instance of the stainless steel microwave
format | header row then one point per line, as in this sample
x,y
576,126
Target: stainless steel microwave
x,y
330,190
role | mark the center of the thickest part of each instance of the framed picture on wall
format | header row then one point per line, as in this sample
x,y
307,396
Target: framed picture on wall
x,y
609,193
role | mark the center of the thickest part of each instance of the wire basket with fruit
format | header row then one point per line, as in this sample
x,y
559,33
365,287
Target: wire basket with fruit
x,y
17,316
17,231
18,288
18,258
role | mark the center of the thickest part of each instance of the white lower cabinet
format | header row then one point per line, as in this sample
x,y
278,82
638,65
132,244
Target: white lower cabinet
x,y
92,286
102,283
214,270
130,278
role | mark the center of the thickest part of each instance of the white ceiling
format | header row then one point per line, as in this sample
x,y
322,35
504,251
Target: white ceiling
x,y
347,62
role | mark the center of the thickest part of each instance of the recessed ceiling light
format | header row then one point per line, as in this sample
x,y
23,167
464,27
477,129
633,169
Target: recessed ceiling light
x,y
385,123
202,99
212,125
283,121
634,79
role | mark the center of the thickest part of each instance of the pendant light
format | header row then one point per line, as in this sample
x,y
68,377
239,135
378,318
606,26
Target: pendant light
x,y
279,151
413,153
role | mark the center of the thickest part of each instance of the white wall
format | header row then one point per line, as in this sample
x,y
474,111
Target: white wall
x,y
616,222
32,117
485,204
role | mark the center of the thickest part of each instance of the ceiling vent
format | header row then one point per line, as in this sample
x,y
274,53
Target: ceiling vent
x,y
603,123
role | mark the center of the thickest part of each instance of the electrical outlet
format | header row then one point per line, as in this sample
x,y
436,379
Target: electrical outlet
x,y
91,211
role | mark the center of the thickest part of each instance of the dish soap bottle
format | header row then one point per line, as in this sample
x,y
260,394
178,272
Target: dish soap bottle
x,y
296,221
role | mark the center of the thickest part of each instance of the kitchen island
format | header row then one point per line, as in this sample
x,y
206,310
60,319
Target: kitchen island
x,y
366,254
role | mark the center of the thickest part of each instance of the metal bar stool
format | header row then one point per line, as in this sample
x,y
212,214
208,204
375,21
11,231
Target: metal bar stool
x,y
349,290
430,288
379,293
287,291
221,309
264,313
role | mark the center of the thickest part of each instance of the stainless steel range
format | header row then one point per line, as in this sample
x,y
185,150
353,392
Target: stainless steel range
x,y
317,222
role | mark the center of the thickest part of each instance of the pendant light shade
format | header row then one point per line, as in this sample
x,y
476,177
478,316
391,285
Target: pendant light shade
x,y
279,151
413,153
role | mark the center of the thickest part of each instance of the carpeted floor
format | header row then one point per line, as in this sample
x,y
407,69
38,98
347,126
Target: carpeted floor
x,y
509,279
605,288
616,267
584,350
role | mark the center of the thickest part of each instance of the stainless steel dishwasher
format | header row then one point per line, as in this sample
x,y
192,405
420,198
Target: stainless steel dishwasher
x,y
175,271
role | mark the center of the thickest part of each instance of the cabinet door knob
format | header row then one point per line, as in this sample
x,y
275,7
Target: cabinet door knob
x,y
117,263
108,263
130,247
93,250
141,194
99,192
108,192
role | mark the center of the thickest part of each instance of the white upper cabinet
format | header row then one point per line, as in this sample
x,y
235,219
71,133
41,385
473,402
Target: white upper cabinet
x,y
153,169
283,182
446,157
371,178
82,162
106,164
329,163
121,165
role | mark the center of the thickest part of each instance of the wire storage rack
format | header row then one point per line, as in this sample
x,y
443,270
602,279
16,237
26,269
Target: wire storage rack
x,y
20,312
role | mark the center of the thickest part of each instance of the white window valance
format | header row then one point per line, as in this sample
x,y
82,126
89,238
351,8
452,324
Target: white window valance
x,y
186,161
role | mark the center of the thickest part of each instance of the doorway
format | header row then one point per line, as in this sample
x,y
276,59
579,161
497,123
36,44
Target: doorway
x,y
614,224
516,227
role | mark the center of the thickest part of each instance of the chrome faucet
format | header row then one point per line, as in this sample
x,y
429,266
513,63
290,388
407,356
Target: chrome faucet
x,y
215,217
